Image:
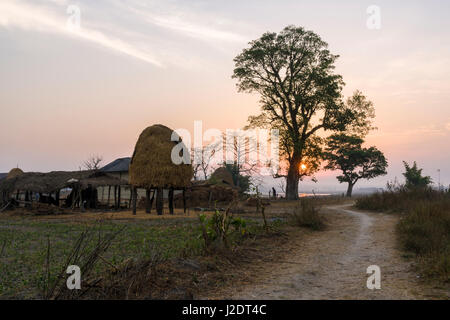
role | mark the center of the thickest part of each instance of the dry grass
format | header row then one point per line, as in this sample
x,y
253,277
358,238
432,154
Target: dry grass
x,y
424,227
306,214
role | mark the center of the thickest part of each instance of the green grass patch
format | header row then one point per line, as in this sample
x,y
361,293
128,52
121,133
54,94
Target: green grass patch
x,y
23,247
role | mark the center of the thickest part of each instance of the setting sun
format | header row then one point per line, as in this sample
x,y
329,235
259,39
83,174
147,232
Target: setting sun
x,y
303,166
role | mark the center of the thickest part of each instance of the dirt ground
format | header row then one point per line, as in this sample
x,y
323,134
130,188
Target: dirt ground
x,y
332,264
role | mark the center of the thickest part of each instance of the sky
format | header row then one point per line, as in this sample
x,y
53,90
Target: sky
x,y
67,92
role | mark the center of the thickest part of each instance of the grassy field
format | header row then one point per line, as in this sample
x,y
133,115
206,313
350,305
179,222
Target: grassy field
x,y
24,244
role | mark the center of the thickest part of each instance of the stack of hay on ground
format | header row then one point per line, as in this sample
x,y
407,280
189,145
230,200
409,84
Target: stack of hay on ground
x,y
218,189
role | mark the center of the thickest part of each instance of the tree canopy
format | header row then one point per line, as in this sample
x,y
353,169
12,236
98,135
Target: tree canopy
x,y
300,94
345,153
414,178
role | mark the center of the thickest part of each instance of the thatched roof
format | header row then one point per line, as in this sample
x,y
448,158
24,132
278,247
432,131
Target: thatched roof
x,y
56,180
118,165
15,172
221,176
151,165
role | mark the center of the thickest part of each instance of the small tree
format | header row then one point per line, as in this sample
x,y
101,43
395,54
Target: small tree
x,y
93,162
240,147
414,178
239,180
345,153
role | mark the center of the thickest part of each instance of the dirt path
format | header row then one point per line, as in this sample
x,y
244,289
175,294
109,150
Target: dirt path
x,y
332,264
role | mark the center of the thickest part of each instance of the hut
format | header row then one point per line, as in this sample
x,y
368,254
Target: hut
x,y
46,187
118,168
151,167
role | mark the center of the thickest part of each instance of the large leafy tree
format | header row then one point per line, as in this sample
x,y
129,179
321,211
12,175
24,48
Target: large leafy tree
x,y
300,94
414,178
345,153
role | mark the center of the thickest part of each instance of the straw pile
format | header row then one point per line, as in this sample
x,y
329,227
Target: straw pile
x,y
205,195
151,165
221,176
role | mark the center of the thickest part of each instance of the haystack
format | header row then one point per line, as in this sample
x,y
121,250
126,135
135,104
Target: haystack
x,y
221,176
151,166
15,172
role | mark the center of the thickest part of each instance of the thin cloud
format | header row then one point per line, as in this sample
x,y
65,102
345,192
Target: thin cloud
x,y
193,30
178,21
16,14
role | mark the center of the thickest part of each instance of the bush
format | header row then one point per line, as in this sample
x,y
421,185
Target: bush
x,y
221,229
306,214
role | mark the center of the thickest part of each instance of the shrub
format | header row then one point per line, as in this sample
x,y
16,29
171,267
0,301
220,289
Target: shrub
x,y
219,229
306,214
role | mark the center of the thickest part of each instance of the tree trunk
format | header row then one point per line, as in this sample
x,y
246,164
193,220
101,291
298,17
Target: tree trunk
x,y
159,201
292,179
350,189
171,200
148,203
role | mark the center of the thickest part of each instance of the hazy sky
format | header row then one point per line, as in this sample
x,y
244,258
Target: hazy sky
x,y
66,95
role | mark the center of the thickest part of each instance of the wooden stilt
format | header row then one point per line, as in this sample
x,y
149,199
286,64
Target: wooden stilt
x,y
119,196
159,201
148,205
184,200
131,198
152,198
171,200
109,196
115,197
57,193
27,199
134,196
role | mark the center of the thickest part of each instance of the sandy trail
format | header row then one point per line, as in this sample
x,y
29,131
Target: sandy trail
x,y
332,264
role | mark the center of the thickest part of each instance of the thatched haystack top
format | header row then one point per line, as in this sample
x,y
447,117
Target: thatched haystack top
x,y
151,165
221,176
15,172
